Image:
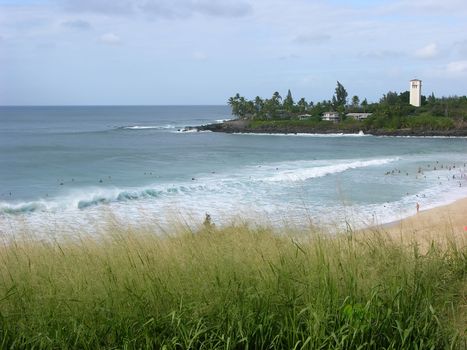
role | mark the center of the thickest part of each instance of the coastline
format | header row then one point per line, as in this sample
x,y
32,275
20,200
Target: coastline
x,y
237,126
431,225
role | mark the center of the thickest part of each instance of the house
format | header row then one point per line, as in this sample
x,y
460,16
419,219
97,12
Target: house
x,y
358,116
331,116
304,116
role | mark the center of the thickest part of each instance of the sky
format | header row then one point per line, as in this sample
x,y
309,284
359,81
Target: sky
x,y
192,52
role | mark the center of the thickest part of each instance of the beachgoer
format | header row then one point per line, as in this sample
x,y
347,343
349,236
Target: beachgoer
x,y
418,207
207,221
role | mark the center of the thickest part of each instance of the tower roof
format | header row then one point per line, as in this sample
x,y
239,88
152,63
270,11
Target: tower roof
x,y
415,80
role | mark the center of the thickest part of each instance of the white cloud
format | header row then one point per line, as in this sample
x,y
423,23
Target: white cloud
x,y
457,67
317,41
428,51
110,39
162,8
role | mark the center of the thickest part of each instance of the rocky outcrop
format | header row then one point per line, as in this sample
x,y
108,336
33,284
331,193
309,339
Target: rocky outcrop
x,y
243,126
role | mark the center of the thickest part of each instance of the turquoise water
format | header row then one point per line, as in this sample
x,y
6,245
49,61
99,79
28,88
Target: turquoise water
x,y
75,166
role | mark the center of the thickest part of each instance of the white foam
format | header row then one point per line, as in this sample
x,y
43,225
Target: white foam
x,y
423,137
251,192
224,120
148,127
304,173
191,130
360,134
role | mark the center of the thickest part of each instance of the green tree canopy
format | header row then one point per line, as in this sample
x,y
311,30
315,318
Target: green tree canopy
x,y
288,102
340,96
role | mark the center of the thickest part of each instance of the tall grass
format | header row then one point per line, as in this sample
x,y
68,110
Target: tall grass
x,y
231,288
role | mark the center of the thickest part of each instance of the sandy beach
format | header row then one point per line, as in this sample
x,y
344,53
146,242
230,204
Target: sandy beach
x,y
433,225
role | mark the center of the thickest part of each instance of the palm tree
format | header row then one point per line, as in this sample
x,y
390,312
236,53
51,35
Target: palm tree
x,y
302,104
234,103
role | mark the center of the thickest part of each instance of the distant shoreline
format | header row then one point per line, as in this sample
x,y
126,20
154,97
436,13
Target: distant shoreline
x,y
238,126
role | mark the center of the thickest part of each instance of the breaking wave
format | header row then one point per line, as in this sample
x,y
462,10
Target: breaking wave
x,y
248,179
320,171
360,134
147,127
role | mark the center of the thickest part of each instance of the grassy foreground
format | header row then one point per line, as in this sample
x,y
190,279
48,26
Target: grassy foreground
x,y
232,288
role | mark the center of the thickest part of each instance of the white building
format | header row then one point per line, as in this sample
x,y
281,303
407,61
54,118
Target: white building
x,y
331,116
358,116
416,92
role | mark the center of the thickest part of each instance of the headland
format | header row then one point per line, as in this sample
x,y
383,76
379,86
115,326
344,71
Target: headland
x,y
239,126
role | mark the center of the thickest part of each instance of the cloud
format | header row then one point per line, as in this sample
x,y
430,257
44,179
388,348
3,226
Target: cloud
x,y
199,56
222,8
457,67
382,54
426,7
312,39
110,39
162,8
76,24
461,48
428,51
290,56
99,6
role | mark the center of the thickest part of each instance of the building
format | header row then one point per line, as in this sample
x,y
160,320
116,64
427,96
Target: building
x,y
416,92
304,116
358,116
331,116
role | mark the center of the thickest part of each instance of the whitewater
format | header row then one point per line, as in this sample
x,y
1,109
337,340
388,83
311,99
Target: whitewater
x,y
65,169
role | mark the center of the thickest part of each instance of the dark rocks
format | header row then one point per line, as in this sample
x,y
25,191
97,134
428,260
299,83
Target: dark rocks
x,y
243,126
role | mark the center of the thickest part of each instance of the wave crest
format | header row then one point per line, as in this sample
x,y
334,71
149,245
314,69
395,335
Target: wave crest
x,y
246,178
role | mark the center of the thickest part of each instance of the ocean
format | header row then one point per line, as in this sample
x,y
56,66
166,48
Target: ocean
x,y
72,169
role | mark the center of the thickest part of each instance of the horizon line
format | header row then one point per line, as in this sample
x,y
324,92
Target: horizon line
x,y
117,105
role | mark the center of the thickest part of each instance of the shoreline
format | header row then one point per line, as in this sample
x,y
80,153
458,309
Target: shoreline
x,y
237,126
430,225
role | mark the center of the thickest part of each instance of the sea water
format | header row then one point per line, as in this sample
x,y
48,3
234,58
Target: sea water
x,y
76,168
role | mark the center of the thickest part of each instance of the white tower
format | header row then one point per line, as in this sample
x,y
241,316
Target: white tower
x,y
416,92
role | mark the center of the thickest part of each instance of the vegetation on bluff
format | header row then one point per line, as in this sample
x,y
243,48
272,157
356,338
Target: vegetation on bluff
x,y
231,288
392,112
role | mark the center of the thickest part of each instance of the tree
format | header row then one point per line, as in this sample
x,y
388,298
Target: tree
x,y
355,102
276,97
288,102
340,96
235,104
275,104
364,105
272,106
302,105
391,98
404,97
